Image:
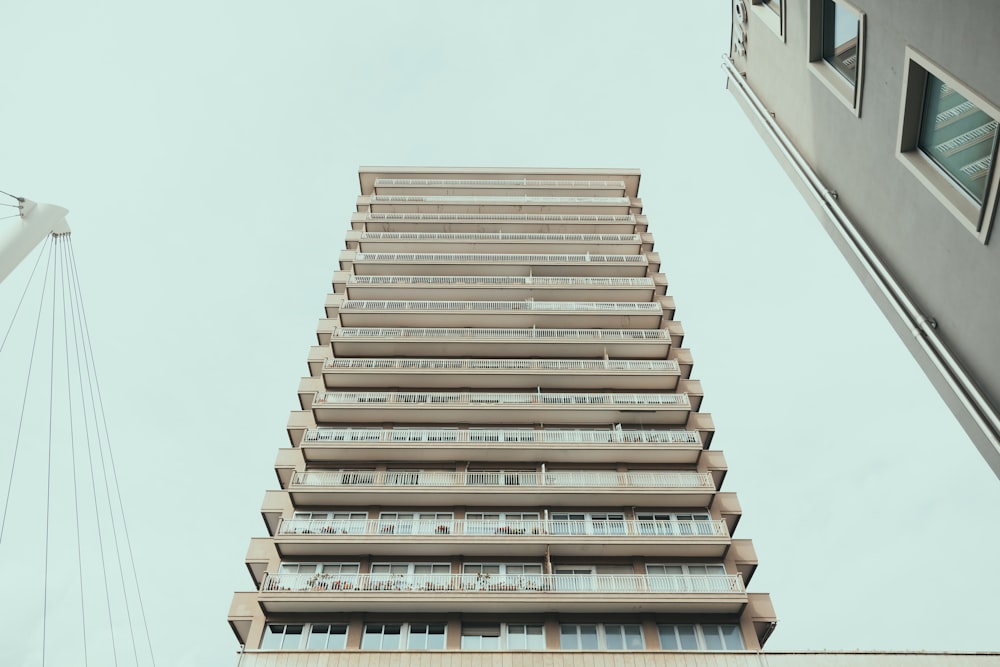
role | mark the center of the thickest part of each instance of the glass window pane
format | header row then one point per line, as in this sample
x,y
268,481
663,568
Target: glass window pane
x,y
569,638
633,638
688,638
958,136
668,638
588,638
613,637
273,634
713,640
840,39
732,637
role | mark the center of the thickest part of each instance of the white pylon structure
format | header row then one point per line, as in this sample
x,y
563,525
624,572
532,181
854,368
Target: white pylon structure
x,y
21,235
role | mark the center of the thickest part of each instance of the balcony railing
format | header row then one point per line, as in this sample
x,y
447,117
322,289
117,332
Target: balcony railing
x,y
658,366
611,335
495,236
505,182
591,528
547,436
511,217
501,258
359,305
494,199
465,398
496,583
522,478
540,281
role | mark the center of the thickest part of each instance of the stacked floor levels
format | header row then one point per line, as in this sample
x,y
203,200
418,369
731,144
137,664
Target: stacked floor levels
x,y
500,446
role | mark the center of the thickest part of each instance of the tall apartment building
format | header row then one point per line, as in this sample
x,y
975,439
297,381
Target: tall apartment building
x,y
500,447
884,113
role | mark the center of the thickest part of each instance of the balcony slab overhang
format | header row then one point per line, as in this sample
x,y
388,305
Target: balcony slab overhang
x,y
511,546
502,602
512,496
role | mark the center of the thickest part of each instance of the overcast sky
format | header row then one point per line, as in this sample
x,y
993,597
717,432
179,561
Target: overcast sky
x,y
208,153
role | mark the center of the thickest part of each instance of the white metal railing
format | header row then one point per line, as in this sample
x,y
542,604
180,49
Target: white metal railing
x,y
477,398
494,199
505,258
496,236
508,436
509,306
522,583
509,217
511,182
483,332
479,527
540,281
506,478
408,363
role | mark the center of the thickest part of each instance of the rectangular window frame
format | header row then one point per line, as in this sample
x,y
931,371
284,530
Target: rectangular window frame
x,y
975,217
700,636
774,20
573,630
826,73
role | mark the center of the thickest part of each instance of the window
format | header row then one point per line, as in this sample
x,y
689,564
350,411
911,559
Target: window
x,y
503,523
318,576
316,636
326,523
836,49
772,14
687,578
503,576
499,636
415,523
588,523
673,523
701,637
411,636
948,139
410,576
600,636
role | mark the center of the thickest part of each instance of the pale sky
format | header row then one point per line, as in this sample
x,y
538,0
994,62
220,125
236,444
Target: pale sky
x,y
208,154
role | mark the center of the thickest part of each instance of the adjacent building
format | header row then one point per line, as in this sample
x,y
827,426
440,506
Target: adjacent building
x,y
884,113
500,448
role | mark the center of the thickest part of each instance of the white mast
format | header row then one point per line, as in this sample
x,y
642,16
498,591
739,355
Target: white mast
x,y
18,237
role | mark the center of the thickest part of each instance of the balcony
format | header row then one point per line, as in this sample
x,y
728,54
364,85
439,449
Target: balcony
x,y
511,288
487,407
521,488
313,538
498,186
507,342
330,445
499,242
498,264
522,314
497,204
407,373
496,222
598,593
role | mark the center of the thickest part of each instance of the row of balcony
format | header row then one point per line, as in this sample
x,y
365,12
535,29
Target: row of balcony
x,y
512,528
422,407
499,242
511,288
515,342
497,186
545,314
327,445
325,538
499,264
515,488
496,222
497,204
710,593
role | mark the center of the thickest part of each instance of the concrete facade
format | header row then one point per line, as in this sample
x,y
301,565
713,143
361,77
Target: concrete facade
x,y
918,239
500,445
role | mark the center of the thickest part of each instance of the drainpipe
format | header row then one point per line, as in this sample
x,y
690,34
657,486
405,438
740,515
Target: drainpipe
x,y
922,328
